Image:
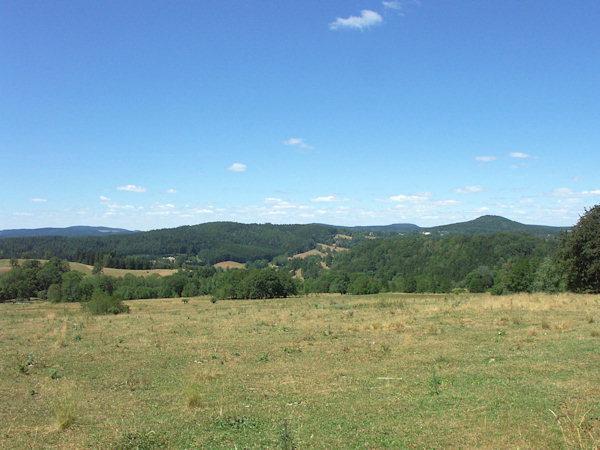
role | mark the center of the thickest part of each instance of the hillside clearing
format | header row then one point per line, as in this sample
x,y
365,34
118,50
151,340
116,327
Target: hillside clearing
x,y
87,269
325,372
229,265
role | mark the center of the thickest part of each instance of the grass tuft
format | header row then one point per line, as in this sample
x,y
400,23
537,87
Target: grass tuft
x,y
286,439
64,411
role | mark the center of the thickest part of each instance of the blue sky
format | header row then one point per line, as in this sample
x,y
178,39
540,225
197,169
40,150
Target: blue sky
x,y
148,115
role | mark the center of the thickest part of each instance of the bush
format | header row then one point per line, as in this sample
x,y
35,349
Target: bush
x,y
102,303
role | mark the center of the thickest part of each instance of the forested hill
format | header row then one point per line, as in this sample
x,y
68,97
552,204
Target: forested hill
x,y
67,232
495,224
394,228
483,224
214,242
207,243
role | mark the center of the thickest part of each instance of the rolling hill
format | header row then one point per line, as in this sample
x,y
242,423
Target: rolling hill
x,y
227,241
74,231
495,224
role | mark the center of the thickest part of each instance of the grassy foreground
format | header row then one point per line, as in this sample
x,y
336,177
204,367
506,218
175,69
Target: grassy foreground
x,y
325,372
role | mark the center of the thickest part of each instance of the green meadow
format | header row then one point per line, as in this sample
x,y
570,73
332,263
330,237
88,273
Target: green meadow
x,y
390,370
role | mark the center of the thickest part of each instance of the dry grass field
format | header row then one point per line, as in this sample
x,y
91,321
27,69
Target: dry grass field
x,y
229,265
87,269
313,372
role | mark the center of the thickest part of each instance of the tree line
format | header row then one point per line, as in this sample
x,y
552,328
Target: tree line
x,y
207,243
499,263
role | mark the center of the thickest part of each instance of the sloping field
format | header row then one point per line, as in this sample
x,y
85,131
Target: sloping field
x,y
430,371
312,252
5,266
333,248
318,252
229,265
343,236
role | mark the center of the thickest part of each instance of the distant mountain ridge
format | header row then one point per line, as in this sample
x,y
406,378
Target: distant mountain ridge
x,y
215,242
483,224
495,224
394,227
74,231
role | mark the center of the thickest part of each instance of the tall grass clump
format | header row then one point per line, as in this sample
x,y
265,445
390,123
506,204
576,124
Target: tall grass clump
x,y
193,396
64,411
103,303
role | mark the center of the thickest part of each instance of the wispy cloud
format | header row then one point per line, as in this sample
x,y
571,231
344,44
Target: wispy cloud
x,y
298,142
486,158
104,199
328,199
115,206
237,167
366,19
171,191
520,155
567,192
39,200
414,198
400,5
392,5
469,190
131,188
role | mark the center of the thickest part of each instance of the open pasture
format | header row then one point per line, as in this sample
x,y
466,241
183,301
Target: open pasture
x,y
379,371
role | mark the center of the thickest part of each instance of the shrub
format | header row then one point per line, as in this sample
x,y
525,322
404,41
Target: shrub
x,y
102,303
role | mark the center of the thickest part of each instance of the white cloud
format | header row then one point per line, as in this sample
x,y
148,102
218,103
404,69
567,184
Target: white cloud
x,y
237,167
22,214
566,192
563,192
131,188
39,200
446,203
469,190
298,142
104,199
279,204
392,5
519,155
171,191
485,158
328,199
115,206
201,211
415,198
400,5
367,19
165,206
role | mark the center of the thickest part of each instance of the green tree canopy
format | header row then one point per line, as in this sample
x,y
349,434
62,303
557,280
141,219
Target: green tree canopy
x,y
580,251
